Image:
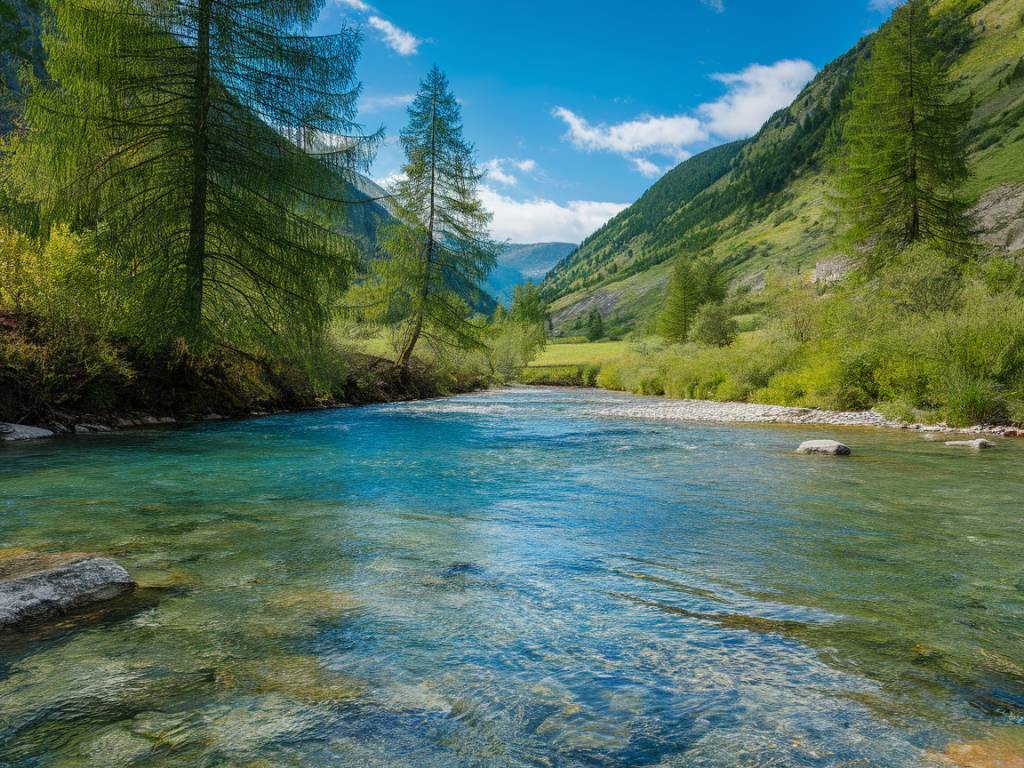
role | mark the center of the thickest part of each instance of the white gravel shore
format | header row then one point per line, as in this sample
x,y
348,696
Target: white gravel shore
x,y
751,413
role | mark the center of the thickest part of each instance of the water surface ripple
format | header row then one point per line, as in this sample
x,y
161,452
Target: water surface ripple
x,y
515,579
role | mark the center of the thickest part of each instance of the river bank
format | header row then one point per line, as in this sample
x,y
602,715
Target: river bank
x,y
712,411
632,407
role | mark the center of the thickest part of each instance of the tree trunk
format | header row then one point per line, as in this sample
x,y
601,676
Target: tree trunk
x,y
196,254
403,360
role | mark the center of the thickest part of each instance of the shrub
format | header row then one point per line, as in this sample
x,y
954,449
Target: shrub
x,y
713,326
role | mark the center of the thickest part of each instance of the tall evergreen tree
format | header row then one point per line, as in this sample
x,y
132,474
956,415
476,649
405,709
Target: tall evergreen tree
x,y
595,325
439,253
902,161
693,282
163,126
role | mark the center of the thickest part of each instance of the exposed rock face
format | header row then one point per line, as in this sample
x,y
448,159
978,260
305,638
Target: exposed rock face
x,y
824,448
1000,215
35,587
832,270
21,432
978,445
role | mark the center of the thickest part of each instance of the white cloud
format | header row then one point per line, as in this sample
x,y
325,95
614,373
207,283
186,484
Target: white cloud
x,y
378,103
646,167
754,95
884,6
664,135
389,181
357,5
497,169
717,5
539,220
496,174
397,39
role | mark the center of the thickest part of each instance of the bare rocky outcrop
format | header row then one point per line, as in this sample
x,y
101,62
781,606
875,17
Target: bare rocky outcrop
x,y
1000,218
12,432
604,301
35,587
831,270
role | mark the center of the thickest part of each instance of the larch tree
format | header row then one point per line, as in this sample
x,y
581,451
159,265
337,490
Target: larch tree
x,y
439,252
903,156
176,131
693,282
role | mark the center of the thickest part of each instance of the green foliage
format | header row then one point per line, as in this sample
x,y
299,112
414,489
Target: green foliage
x,y
903,158
694,282
154,132
528,305
594,325
561,376
713,325
439,251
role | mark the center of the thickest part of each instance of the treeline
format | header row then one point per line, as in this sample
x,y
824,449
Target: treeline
x,y
927,326
175,198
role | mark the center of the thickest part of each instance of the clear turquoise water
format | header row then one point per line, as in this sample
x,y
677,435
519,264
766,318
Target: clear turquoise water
x,y
516,579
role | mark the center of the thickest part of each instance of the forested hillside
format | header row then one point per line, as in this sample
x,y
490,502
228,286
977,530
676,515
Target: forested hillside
x,y
765,212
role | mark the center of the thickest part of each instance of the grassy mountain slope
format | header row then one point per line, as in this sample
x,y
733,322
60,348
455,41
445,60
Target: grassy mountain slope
x,y
768,213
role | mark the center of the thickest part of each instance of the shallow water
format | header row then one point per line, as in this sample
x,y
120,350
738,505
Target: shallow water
x,y
517,579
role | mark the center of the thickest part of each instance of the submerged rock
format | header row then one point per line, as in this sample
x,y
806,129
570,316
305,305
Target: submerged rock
x,y
35,587
978,445
22,432
824,448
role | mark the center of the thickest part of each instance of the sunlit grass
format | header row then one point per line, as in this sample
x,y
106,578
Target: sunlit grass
x,y
588,353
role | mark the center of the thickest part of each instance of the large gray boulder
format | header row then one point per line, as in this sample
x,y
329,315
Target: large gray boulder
x,y
22,432
35,587
824,448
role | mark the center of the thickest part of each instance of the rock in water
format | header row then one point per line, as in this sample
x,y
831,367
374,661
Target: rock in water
x,y
21,432
824,448
35,587
978,445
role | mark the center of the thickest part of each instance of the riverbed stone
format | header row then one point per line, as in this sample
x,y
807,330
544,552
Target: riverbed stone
x,y
824,448
23,432
35,587
979,445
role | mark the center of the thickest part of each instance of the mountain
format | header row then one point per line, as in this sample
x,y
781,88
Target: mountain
x,y
759,207
520,263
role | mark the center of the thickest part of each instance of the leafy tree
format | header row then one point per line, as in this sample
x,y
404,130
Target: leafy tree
x,y
903,157
440,252
693,283
164,128
527,304
713,325
594,326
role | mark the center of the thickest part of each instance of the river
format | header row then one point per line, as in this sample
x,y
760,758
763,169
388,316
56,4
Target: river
x,y
518,578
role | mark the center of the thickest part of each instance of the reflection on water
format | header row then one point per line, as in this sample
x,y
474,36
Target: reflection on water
x,y
512,579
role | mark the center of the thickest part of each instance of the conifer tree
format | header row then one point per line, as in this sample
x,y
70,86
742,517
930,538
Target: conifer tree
x,y
902,161
173,129
439,253
595,325
693,283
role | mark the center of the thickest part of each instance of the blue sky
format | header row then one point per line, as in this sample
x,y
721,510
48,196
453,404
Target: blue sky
x,y
577,106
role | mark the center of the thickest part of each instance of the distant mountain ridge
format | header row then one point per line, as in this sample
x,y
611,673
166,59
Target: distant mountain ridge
x,y
519,263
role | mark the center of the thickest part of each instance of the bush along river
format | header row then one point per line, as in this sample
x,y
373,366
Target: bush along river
x,y
520,578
